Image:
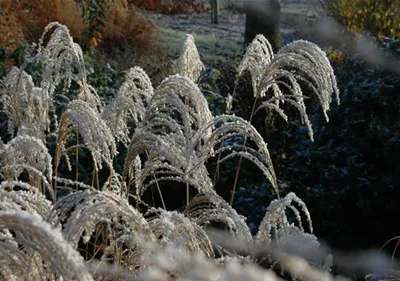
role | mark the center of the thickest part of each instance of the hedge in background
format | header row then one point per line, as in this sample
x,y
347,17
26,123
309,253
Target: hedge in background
x,y
380,18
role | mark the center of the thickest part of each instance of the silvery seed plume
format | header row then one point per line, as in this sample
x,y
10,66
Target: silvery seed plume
x,y
298,65
225,127
276,234
210,210
166,162
298,254
319,73
181,110
258,55
26,153
137,85
180,126
129,105
63,63
178,107
176,110
275,223
25,198
115,115
178,151
189,63
25,105
97,136
288,236
275,231
36,250
107,218
300,62
13,263
174,227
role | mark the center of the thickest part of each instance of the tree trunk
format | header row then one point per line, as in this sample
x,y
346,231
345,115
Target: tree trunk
x,y
263,17
214,11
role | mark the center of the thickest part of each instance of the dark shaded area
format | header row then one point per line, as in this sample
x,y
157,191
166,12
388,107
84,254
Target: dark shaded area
x,y
263,17
349,177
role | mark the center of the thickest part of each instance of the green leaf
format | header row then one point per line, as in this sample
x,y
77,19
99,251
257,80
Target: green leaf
x,y
210,96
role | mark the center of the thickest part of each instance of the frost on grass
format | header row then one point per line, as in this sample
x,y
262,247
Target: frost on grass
x,y
210,210
36,251
96,135
26,106
174,114
106,220
189,63
129,105
299,70
178,106
20,196
258,55
174,227
63,64
179,134
275,222
26,153
279,230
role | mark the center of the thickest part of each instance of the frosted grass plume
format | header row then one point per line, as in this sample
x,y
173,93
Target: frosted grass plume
x,y
297,66
44,250
189,63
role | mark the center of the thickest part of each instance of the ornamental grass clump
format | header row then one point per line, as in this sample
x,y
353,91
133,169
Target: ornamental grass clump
x,y
281,79
106,230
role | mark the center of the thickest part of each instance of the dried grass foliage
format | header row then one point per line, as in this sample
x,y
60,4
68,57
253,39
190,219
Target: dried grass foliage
x,y
125,26
12,34
24,21
33,16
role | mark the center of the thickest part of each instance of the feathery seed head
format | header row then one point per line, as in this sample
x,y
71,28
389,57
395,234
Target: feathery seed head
x,y
189,63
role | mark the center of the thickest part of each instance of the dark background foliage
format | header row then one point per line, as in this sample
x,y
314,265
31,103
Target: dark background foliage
x,y
349,177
